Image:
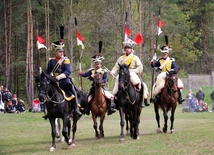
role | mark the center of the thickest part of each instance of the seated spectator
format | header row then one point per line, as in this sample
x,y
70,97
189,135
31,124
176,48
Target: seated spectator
x,y
21,106
202,106
14,102
9,107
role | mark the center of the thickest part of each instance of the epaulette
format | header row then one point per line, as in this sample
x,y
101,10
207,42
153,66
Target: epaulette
x,y
172,59
67,61
91,69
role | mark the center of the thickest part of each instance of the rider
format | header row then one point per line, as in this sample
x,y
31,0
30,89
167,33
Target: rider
x,y
90,73
60,67
135,68
163,64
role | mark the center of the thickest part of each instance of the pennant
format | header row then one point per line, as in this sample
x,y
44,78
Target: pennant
x,y
80,39
138,39
40,42
127,33
160,24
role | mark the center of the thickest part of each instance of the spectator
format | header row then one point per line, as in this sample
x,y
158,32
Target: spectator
x,y
21,106
200,95
212,97
202,106
14,102
1,102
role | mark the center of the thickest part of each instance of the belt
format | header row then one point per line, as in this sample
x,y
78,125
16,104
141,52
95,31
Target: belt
x,y
56,74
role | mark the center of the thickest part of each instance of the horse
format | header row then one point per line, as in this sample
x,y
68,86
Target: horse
x,y
57,107
98,106
167,100
128,100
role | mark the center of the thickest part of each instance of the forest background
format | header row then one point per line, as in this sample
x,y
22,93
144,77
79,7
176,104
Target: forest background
x,y
188,24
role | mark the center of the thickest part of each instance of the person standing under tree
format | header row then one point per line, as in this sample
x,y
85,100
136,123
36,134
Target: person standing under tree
x,y
212,97
200,95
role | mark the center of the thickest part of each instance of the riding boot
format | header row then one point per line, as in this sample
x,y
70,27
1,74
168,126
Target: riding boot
x,y
111,105
145,103
180,100
45,116
77,111
88,109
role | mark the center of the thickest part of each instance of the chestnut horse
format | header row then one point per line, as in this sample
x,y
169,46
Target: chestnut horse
x,y
128,100
167,101
98,106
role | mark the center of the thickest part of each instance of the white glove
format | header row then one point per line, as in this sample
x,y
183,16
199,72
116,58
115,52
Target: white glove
x,y
61,76
172,70
154,58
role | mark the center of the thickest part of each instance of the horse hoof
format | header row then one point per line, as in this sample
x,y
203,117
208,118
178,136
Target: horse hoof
x,y
138,137
172,131
121,140
52,149
159,130
69,142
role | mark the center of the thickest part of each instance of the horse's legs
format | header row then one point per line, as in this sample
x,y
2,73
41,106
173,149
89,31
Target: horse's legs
x,y
64,131
101,126
157,116
53,133
172,119
127,123
95,125
74,129
165,115
58,130
122,122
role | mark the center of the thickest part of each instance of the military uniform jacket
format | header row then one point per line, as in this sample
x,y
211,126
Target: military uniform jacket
x,y
91,72
134,61
65,68
168,66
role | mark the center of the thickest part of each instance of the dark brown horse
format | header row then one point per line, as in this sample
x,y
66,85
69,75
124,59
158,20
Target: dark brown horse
x,y
99,106
128,100
167,101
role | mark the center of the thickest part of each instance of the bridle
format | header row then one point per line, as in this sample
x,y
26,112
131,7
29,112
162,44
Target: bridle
x,y
171,80
124,83
44,92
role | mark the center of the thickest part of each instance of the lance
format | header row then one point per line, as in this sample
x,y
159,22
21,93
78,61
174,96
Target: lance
x,y
39,60
156,45
79,55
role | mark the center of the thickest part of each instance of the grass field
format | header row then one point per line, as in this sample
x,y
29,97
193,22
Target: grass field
x,y
28,133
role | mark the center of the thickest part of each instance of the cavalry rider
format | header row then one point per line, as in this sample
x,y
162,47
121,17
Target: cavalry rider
x,y
91,73
163,64
60,67
135,68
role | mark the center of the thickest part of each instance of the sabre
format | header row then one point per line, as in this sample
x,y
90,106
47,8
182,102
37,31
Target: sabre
x,y
109,71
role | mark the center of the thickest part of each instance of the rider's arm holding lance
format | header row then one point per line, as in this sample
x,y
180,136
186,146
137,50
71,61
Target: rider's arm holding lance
x,y
154,57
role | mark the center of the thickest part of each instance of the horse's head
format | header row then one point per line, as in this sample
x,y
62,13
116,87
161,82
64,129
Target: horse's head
x,y
124,76
171,81
98,78
43,86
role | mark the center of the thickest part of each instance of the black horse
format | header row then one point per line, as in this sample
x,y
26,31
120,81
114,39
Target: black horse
x,y
58,107
128,103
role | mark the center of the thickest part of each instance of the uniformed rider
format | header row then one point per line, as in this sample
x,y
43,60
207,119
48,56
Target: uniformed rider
x,y
135,68
164,64
60,67
97,59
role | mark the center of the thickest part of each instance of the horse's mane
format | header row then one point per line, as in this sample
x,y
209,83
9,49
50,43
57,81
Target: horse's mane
x,y
53,81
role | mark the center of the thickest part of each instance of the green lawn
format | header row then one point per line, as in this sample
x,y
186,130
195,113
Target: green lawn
x,y
28,133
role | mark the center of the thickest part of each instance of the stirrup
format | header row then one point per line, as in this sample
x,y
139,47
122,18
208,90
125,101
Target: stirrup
x,y
111,111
